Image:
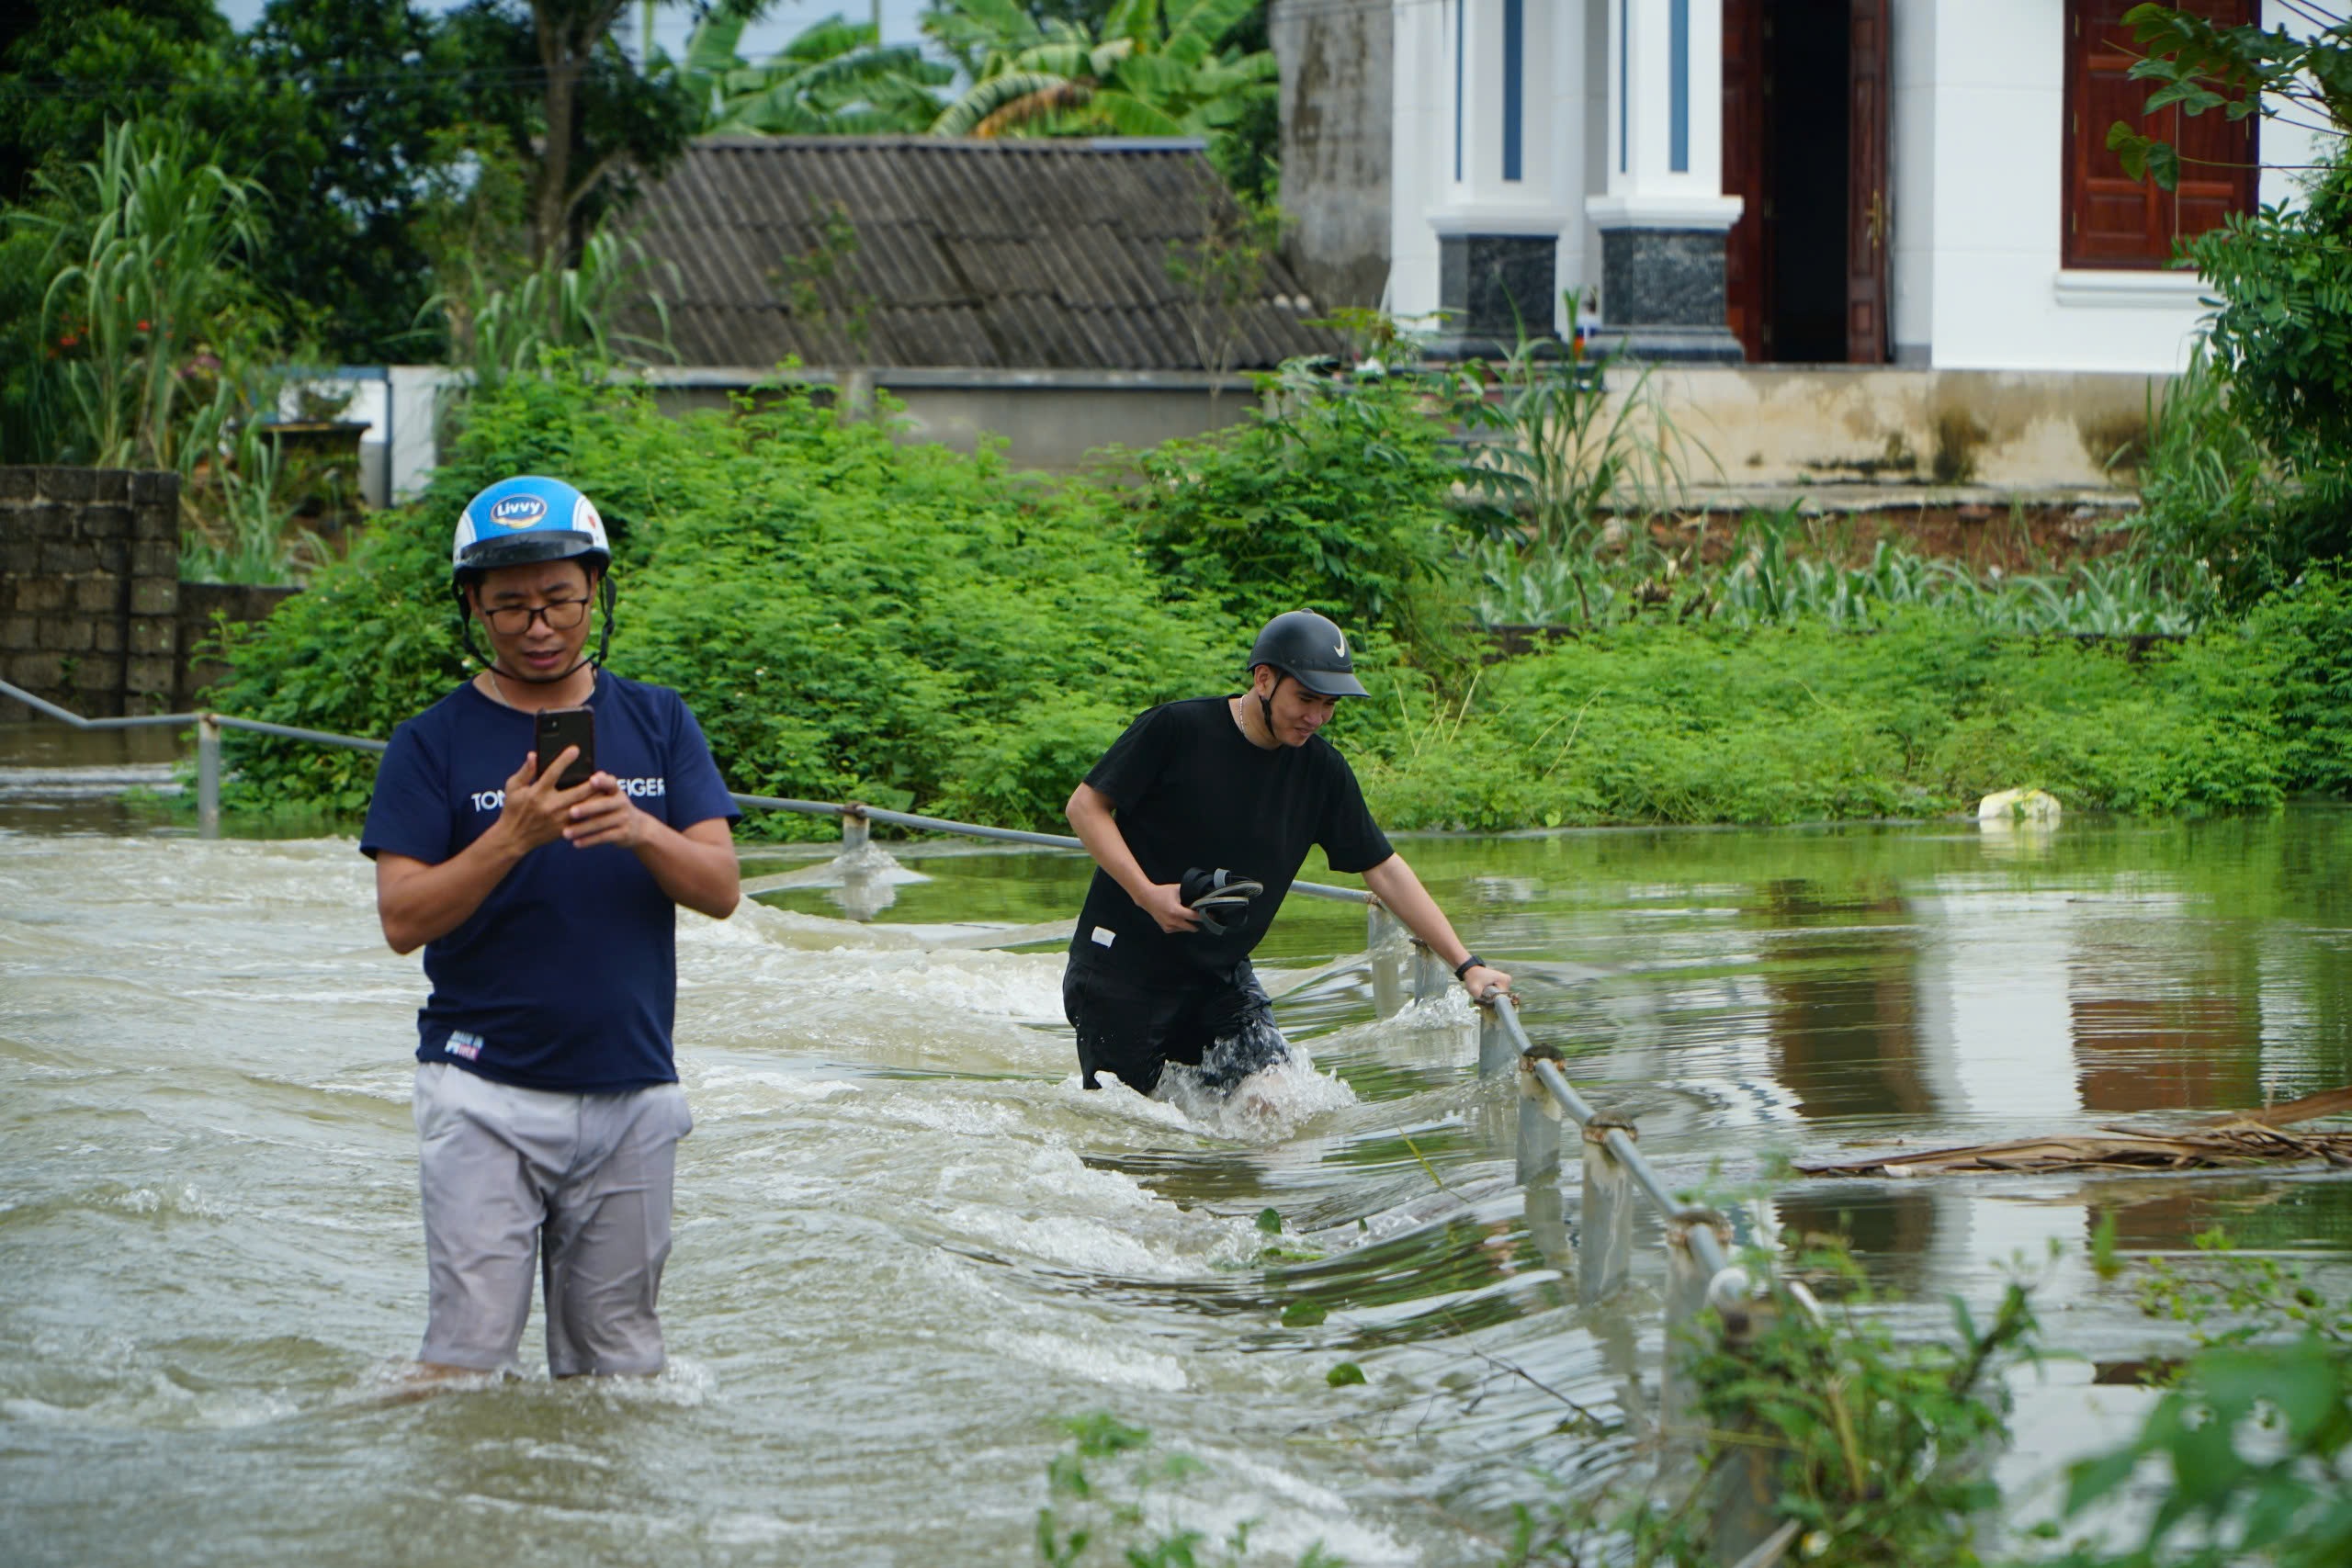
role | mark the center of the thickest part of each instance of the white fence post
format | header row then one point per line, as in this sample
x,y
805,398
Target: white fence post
x,y
1539,1120
1605,1230
1383,939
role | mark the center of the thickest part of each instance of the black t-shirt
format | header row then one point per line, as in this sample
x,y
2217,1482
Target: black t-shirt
x,y
1191,791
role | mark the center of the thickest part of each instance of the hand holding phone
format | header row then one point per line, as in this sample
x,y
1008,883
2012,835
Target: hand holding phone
x,y
559,727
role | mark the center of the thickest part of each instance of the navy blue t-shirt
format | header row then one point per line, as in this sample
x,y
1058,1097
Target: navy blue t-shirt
x,y
567,977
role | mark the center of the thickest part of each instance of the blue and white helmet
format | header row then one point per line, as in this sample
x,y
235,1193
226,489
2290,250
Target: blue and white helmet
x,y
519,521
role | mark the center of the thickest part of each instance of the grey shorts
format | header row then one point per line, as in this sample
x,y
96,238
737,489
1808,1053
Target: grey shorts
x,y
576,1184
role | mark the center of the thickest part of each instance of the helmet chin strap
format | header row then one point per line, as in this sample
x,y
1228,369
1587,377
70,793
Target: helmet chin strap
x,y
1266,708
604,641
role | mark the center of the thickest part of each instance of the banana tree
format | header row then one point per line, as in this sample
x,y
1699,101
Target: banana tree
x,y
836,78
1154,69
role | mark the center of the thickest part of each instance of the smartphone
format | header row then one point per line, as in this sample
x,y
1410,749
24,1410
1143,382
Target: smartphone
x,y
559,727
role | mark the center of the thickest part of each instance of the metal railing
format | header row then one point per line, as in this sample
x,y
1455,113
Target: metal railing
x,y
857,819
1615,1177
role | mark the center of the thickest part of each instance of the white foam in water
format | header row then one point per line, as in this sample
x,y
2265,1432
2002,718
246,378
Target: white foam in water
x,y
1124,1367
1264,1108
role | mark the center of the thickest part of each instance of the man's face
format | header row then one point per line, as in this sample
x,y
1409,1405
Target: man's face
x,y
526,643
1298,712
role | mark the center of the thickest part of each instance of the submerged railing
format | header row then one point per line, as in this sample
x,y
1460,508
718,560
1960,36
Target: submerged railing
x,y
1615,1177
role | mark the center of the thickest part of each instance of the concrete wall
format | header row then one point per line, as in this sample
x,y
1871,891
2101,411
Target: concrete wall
x,y
1337,58
1053,422
89,589
1840,425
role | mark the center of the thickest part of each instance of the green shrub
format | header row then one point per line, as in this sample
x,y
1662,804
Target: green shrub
x,y
1661,723
845,615
1335,499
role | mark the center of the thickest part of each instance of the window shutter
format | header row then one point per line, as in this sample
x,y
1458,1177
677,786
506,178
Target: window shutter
x,y
2112,219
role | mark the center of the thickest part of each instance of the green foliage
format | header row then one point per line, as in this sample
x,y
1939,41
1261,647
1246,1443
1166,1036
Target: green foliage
x,y
1334,499
1116,1498
1554,448
1665,722
2302,75
843,614
148,315
2209,494
834,78
1152,68
1875,1449
252,538
2281,338
513,328
2256,1431
72,69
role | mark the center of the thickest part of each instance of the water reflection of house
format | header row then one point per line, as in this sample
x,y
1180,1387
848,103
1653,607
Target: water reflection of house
x,y
1841,971
2167,1016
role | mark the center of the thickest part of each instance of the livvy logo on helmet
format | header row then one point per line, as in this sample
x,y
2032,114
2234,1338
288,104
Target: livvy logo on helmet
x,y
517,511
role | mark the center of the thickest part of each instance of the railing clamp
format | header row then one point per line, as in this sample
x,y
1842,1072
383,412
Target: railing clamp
x,y
1604,1123
1531,1083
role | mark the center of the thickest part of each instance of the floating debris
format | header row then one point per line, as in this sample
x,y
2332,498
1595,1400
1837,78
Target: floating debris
x,y
2236,1139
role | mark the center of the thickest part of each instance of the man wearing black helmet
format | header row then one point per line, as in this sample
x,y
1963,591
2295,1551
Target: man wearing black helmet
x,y
1198,819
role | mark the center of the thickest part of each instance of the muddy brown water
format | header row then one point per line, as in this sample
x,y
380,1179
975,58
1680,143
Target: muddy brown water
x,y
908,1244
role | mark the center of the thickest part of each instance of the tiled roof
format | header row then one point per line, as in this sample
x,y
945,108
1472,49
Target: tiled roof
x,y
1015,255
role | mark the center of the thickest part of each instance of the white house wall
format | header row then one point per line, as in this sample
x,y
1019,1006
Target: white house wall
x,y
1978,152
1989,189
1556,121
1912,175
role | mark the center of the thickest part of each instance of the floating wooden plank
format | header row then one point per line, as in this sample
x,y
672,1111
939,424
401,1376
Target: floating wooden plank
x,y
2235,1138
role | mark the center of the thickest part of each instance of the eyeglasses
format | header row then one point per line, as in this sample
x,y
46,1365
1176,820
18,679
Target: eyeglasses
x,y
513,620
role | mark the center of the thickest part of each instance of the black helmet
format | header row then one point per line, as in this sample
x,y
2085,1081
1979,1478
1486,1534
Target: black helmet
x,y
1310,650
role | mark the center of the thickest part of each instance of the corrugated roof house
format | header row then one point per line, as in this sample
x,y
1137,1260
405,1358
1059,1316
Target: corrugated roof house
x,y
910,254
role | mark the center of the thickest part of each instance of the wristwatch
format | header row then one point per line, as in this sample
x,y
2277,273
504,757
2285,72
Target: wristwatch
x,y
1473,962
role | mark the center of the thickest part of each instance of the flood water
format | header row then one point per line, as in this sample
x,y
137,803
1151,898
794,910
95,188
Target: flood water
x,y
908,1244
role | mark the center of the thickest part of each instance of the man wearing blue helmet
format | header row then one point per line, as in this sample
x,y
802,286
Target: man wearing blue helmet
x,y
547,1106
1198,819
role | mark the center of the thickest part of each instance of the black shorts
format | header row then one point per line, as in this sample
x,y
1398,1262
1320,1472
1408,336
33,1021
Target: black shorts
x,y
1223,1027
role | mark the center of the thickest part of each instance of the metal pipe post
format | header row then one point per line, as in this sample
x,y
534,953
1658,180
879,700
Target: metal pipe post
x,y
1688,1277
208,775
1539,1127
1605,1256
858,831
1742,1486
1383,941
1430,977
1497,1052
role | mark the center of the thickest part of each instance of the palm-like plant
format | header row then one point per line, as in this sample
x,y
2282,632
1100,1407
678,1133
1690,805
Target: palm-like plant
x,y
834,79
148,294
1155,70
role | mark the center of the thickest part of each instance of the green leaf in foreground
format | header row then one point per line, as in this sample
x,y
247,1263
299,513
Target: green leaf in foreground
x,y
1345,1373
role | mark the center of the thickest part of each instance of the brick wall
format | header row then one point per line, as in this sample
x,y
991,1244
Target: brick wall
x,y
89,589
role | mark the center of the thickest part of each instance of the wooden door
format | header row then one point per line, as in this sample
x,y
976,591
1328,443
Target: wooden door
x,y
1747,249
1869,217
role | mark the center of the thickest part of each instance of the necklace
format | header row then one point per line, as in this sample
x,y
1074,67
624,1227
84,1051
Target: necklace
x,y
1239,723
